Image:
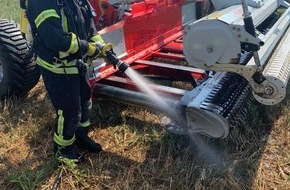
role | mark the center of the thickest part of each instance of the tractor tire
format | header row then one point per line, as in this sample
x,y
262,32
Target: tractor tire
x,y
18,70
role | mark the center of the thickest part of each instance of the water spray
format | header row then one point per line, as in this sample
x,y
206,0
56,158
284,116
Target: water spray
x,y
148,97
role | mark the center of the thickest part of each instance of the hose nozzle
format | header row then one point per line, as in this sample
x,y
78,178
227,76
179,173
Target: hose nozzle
x,y
121,65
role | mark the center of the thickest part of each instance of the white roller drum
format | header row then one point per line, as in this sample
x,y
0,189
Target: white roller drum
x,y
278,72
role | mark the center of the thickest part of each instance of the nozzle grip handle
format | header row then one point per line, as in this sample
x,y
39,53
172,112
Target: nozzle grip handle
x,y
111,56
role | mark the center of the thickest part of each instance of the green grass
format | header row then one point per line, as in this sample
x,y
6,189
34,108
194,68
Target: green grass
x,y
10,10
27,179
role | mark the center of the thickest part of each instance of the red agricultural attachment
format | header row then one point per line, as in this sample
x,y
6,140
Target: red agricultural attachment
x,y
215,57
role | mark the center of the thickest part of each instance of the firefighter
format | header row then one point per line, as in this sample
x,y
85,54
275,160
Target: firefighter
x,y
64,37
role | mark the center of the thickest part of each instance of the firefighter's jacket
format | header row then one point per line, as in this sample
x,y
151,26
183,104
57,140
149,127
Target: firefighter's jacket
x,y
61,30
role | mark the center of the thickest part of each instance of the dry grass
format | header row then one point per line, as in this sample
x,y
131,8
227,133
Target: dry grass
x,y
140,154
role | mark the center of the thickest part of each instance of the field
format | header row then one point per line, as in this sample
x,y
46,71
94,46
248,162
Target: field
x,y
138,152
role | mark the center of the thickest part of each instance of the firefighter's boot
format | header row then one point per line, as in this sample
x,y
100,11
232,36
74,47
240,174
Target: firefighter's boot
x,y
84,142
67,153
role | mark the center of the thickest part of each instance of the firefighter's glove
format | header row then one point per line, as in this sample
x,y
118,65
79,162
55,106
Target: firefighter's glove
x,y
105,48
93,51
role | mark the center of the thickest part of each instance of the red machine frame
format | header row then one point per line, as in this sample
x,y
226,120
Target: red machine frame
x,y
152,29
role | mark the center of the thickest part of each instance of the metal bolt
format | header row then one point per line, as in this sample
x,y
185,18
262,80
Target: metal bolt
x,y
269,90
209,50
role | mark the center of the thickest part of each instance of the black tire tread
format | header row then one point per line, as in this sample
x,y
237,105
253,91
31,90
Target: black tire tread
x,y
23,71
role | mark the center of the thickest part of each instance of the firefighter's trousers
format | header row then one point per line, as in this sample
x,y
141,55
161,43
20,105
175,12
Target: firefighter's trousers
x,y
71,98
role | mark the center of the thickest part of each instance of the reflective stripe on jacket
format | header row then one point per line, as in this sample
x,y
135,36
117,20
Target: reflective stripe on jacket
x,y
69,68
